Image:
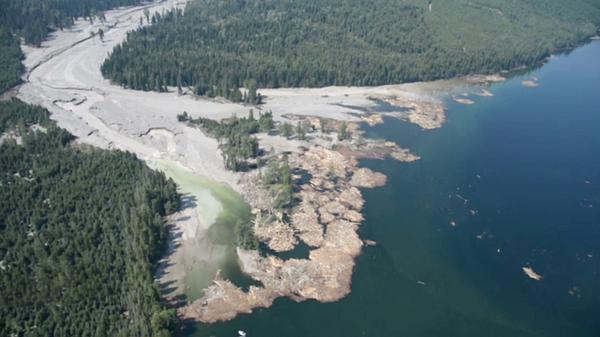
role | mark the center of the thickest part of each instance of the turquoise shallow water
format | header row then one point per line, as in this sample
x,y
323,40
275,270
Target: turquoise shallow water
x,y
527,161
219,208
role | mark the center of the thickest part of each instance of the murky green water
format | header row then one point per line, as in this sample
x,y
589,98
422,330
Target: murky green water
x,y
219,209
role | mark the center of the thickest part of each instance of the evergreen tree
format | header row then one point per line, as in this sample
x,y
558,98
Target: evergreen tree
x,y
33,20
301,131
315,43
265,121
81,232
278,177
342,133
147,15
286,130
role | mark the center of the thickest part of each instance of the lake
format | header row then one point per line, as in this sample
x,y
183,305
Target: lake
x,y
512,181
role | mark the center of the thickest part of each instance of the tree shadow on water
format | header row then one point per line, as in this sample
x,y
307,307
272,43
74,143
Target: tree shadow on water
x,y
169,288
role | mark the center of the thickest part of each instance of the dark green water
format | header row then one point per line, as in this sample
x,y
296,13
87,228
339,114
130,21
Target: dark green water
x,y
528,162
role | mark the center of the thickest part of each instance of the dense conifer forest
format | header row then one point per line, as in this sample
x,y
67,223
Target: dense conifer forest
x,y
80,232
10,60
33,20
215,46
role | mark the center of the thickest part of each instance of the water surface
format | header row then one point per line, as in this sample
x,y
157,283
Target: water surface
x,y
219,209
518,174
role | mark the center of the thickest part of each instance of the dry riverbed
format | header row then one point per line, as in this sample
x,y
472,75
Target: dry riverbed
x,y
64,76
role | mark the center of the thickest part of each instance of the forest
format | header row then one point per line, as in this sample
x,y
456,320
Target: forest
x,y
277,176
10,60
214,47
81,230
235,136
33,20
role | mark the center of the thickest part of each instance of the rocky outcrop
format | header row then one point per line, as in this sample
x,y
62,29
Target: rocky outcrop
x,y
224,300
323,163
352,198
327,124
305,221
366,178
428,114
404,155
484,79
376,149
373,119
463,100
278,235
253,191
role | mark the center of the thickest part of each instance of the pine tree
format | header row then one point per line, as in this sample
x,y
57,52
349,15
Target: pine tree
x,y
342,133
286,130
300,131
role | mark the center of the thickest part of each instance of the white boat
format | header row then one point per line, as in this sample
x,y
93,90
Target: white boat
x,y
241,333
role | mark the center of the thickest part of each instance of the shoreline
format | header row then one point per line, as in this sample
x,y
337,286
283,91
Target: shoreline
x,y
64,77
107,116
326,219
